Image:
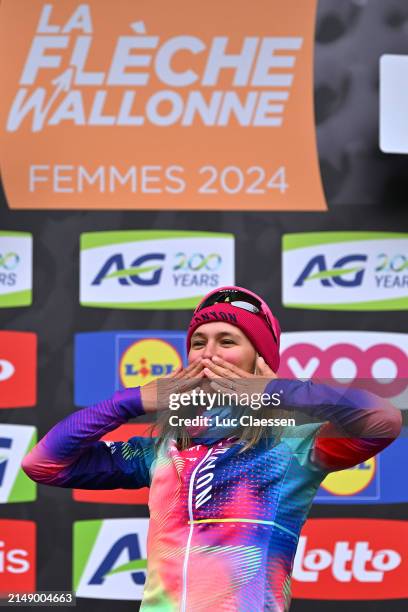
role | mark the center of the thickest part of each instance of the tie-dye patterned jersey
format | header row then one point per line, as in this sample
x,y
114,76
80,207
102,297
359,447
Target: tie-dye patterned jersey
x,y
224,525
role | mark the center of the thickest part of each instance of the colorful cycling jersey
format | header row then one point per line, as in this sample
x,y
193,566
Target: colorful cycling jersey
x,y
224,525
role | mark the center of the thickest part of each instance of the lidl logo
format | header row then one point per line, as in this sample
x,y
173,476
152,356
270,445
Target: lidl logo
x,y
16,269
110,361
354,480
379,480
153,269
18,369
145,360
17,556
351,559
118,496
109,560
345,271
15,442
376,361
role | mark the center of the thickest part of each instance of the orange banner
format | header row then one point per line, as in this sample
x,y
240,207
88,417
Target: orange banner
x,y
192,105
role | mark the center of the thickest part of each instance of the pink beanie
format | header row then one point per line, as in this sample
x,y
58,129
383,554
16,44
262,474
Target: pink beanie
x,y
253,325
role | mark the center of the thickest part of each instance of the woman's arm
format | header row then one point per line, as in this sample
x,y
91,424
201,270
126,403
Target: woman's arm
x,y
360,424
71,455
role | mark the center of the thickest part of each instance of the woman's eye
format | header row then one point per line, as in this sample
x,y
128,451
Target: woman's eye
x,y
196,345
227,341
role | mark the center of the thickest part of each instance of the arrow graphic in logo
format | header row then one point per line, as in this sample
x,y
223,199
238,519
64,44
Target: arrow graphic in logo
x,y
24,102
333,273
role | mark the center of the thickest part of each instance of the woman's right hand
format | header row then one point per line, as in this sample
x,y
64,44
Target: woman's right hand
x,y
155,395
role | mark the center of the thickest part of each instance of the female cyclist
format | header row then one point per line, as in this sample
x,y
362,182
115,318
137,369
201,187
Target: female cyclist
x,y
226,504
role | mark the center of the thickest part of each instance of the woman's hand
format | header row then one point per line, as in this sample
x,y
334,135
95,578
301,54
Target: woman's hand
x,y
155,395
228,378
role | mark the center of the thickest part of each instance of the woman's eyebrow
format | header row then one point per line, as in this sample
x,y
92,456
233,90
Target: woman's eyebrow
x,y
218,335
228,333
198,335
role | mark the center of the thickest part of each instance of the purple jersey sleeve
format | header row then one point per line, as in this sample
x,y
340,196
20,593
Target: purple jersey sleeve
x,y
72,455
357,424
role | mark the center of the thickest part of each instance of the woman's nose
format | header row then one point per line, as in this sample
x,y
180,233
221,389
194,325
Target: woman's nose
x,y
208,351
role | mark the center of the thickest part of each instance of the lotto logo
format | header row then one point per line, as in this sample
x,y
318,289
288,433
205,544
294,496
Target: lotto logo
x,y
18,365
351,559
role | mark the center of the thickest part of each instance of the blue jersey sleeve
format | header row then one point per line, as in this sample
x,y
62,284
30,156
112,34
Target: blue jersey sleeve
x,y
71,454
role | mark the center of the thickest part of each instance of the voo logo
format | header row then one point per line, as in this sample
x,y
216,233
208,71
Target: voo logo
x,y
6,369
384,365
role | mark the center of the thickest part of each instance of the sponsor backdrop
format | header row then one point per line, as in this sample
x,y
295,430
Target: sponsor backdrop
x,y
150,154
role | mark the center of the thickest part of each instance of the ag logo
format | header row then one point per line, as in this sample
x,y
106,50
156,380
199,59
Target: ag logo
x,y
110,558
345,270
153,269
343,273
144,270
15,442
147,359
16,269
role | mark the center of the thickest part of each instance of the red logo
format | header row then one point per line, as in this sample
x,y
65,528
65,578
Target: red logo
x,y
347,361
18,369
352,559
17,557
118,496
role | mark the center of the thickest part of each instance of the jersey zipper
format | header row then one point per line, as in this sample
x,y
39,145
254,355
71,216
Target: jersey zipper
x,y
190,535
